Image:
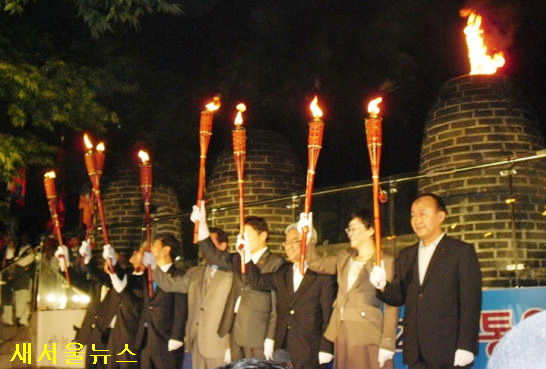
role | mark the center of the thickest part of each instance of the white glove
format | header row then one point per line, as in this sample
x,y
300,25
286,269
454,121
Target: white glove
x,y
148,260
244,251
306,221
199,214
227,356
85,252
378,276
269,345
62,256
174,344
118,284
324,357
108,253
383,356
463,357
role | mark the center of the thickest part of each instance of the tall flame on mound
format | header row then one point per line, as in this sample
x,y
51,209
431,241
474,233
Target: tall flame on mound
x,y
481,60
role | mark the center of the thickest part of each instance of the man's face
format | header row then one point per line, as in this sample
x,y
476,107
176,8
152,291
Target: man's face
x,y
157,249
292,244
427,219
222,246
136,258
256,240
357,233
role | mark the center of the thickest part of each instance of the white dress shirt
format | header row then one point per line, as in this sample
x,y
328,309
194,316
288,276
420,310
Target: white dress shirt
x,y
297,277
424,255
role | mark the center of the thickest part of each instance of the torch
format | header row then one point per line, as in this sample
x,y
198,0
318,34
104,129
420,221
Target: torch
x,y
51,195
314,144
375,141
205,131
94,162
239,154
146,188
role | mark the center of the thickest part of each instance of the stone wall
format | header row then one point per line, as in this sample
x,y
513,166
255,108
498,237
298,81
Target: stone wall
x,y
272,171
477,120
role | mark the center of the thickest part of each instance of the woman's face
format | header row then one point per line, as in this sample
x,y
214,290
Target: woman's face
x,y
357,233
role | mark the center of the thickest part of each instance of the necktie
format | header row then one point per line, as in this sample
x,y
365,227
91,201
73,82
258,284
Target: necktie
x,y
154,285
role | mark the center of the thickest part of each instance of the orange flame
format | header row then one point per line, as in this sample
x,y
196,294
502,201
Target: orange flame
x,y
373,107
315,109
87,142
143,155
50,174
480,61
100,146
239,118
214,105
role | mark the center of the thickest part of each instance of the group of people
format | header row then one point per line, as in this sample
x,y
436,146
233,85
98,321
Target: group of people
x,y
342,308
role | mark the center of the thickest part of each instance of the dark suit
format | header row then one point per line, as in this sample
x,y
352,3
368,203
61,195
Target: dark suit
x,y
98,315
441,315
257,315
303,315
163,317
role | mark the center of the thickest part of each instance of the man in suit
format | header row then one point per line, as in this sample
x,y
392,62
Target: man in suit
x,y
250,314
305,305
208,288
439,282
160,334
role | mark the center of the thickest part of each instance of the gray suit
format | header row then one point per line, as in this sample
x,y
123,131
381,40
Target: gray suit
x,y
206,300
257,314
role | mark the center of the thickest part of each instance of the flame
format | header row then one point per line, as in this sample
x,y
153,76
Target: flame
x,y
373,107
214,105
100,146
87,142
50,174
315,110
143,155
480,61
239,118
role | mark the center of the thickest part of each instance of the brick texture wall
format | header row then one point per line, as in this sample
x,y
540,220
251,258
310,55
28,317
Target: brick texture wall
x,y
124,210
481,119
272,170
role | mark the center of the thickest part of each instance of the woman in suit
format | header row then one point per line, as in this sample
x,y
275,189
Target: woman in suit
x,y
362,328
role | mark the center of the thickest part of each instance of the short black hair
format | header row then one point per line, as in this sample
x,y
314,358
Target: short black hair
x,y
253,363
365,216
258,223
222,236
169,240
440,204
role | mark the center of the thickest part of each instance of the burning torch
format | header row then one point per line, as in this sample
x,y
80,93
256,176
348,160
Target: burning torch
x,y
375,141
239,154
146,188
205,131
51,195
94,162
314,144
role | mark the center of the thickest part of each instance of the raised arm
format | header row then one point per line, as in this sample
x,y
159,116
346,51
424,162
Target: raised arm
x,y
258,280
177,282
320,264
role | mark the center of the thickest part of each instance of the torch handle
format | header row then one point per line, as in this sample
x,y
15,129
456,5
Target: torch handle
x,y
240,163
103,224
57,229
307,209
376,218
200,193
149,246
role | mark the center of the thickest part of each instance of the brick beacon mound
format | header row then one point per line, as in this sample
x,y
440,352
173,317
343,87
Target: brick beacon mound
x,y
272,170
480,119
124,210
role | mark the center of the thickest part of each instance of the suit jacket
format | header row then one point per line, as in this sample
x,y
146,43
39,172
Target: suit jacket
x,y
443,313
205,307
257,314
99,313
367,320
302,315
163,316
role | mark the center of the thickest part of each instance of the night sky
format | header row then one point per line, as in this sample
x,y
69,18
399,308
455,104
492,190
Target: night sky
x,y
275,56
